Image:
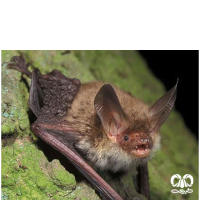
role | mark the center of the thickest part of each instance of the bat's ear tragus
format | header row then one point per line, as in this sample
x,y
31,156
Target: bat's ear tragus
x,y
177,81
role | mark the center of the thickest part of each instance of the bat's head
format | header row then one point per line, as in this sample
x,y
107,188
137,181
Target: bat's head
x,y
138,144
139,138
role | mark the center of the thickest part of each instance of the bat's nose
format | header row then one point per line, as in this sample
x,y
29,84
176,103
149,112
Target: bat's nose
x,y
143,138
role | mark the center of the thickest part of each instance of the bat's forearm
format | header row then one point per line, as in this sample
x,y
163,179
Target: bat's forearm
x,y
79,163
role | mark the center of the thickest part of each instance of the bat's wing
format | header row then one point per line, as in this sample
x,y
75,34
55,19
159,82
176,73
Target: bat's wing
x,y
50,97
51,127
57,139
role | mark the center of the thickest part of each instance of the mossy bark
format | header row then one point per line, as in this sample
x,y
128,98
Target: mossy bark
x,y
27,174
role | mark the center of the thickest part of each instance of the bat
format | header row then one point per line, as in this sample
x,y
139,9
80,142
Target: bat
x,y
111,127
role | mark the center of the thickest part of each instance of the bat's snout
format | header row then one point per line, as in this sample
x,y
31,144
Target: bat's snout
x,y
142,145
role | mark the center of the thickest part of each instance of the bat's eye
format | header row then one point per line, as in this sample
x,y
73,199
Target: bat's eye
x,y
126,137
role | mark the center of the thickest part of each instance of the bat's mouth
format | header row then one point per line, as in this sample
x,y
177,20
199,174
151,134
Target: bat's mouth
x,y
141,150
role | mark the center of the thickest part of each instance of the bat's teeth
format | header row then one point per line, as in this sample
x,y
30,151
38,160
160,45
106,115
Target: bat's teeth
x,y
136,147
145,140
141,140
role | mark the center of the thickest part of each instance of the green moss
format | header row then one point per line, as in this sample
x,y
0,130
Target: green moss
x,y
26,173
83,192
126,69
14,100
68,64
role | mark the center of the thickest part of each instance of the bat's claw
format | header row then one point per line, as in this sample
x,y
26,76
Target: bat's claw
x,y
19,63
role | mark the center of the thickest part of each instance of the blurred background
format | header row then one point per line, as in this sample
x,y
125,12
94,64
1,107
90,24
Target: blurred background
x,y
170,65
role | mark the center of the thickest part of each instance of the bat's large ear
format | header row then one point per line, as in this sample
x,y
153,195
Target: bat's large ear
x,y
160,110
110,112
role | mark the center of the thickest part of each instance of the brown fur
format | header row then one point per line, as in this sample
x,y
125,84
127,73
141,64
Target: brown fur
x,y
95,143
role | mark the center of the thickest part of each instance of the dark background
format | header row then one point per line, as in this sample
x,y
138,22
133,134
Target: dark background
x,y
170,65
